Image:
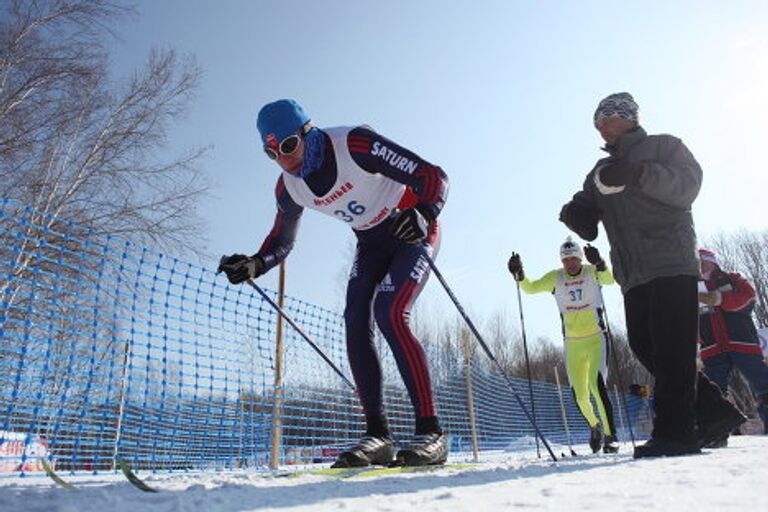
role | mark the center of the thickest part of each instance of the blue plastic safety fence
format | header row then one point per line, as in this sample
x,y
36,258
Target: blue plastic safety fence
x,y
109,350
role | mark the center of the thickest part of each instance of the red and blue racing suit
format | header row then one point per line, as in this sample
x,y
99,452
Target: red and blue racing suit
x,y
387,272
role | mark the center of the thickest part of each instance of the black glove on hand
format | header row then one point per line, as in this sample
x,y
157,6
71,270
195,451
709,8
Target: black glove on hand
x,y
620,172
593,256
240,267
515,266
580,219
409,225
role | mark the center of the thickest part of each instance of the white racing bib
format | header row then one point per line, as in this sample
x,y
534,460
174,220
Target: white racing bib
x,y
578,294
359,198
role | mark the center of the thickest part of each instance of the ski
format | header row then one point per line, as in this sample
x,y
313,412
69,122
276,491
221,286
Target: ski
x,y
413,469
334,473
132,478
53,476
368,471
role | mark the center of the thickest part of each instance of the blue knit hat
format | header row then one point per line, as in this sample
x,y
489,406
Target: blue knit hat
x,y
620,104
279,119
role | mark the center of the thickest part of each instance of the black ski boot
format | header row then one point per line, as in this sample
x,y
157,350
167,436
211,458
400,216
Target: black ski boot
x,y
610,444
424,450
368,451
595,437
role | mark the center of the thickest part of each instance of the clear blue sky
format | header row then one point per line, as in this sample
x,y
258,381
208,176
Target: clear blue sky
x,y
499,94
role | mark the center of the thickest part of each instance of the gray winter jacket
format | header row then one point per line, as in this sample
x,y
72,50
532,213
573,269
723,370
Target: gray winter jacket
x,y
649,224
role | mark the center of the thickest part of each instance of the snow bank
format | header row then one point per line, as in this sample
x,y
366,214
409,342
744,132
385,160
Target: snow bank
x,y
728,479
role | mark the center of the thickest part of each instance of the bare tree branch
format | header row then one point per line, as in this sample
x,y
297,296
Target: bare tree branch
x,y
74,145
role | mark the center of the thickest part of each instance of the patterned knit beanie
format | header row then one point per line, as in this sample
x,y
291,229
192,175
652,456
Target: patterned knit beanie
x,y
620,104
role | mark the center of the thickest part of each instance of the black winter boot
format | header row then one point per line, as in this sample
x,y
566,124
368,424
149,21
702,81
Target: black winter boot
x,y
716,417
718,443
715,429
661,447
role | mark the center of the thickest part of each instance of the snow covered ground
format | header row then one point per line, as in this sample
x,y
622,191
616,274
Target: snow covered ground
x,y
731,479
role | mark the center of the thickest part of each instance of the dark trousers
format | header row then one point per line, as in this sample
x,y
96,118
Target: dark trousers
x,y
719,367
386,277
662,326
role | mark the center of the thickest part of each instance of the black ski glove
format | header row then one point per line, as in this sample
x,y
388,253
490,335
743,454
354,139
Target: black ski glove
x,y
240,267
409,225
620,172
593,256
515,266
580,219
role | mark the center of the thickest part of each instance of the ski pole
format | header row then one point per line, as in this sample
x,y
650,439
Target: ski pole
x,y
615,360
527,361
488,352
621,413
301,332
562,410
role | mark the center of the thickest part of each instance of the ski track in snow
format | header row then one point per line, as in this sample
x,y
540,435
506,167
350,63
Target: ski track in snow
x,y
731,479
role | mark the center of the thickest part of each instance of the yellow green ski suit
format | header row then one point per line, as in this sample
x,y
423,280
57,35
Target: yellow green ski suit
x,y
581,312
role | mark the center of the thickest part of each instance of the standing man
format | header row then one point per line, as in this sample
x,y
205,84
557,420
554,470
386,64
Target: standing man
x,y
643,192
728,334
577,290
391,199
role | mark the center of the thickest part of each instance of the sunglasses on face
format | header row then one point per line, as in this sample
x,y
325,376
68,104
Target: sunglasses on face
x,y
286,147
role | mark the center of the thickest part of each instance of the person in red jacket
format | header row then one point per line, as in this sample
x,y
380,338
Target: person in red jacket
x,y
728,335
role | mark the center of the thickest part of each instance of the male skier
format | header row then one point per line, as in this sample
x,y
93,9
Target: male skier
x,y
577,291
391,199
